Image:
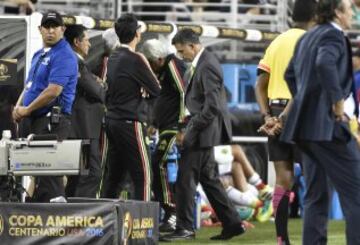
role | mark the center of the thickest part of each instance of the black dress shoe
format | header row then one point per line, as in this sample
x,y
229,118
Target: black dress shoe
x,y
230,232
178,234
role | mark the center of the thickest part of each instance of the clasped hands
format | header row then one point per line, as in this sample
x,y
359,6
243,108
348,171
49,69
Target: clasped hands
x,y
19,112
272,126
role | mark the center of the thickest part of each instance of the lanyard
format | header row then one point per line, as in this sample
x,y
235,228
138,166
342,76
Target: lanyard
x,y
36,67
42,56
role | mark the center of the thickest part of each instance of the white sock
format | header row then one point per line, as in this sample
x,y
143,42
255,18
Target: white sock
x,y
253,190
240,198
255,179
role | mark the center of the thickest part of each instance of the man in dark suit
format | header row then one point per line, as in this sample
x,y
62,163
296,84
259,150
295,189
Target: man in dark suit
x,y
87,114
209,125
320,79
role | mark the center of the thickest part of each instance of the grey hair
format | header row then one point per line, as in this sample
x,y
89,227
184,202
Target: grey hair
x,y
111,39
153,49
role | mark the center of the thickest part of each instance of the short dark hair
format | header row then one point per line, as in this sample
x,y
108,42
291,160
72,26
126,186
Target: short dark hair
x,y
326,10
186,36
304,10
74,32
126,27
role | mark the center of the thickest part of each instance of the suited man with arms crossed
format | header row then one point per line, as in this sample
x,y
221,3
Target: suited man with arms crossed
x,y
209,125
320,79
87,114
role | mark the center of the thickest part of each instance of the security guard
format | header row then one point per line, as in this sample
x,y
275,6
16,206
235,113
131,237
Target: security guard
x,y
49,94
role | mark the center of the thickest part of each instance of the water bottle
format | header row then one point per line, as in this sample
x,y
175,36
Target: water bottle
x,y
299,178
6,135
152,143
172,166
197,211
4,152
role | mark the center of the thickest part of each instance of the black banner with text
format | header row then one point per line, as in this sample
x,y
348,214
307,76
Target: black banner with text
x,y
138,223
65,223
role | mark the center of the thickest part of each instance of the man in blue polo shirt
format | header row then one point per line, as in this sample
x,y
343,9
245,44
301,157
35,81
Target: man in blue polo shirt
x,y
49,92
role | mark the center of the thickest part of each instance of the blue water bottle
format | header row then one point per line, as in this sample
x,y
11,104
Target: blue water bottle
x,y
299,178
172,166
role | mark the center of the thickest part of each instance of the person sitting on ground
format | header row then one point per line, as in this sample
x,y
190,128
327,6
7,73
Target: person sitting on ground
x,y
243,185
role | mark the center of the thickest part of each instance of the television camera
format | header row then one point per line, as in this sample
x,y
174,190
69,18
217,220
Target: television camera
x,y
42,155
39,155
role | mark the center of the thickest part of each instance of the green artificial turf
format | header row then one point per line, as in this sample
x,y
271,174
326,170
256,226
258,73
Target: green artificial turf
x,y
264,233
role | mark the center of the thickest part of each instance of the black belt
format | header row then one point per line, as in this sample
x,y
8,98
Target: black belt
x,y
47,114
128,121
282,102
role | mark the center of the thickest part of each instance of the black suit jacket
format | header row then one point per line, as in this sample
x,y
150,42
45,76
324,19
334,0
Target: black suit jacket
x,y
88,107
206,100
319,74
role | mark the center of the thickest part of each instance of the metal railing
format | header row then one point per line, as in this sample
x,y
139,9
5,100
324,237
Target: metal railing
x,y
229,13
272,16
232,13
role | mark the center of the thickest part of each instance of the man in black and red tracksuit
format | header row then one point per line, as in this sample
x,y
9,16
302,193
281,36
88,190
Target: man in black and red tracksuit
x,y
168,116
130,79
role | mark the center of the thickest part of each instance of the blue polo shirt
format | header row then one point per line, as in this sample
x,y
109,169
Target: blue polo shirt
x,y
57,66
357,84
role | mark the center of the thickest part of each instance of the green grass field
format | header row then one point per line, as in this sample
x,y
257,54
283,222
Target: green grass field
x,y
264,233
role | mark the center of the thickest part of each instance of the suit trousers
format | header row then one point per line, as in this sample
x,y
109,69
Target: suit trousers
x,y
48,187
127,152
198,165
163,190
338,162
87,185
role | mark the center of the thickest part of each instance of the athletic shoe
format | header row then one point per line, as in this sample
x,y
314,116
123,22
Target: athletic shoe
x,y
256,203
266,193
178,234
264,213
169,224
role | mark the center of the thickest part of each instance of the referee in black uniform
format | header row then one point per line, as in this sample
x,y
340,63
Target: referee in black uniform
x,y
130,79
